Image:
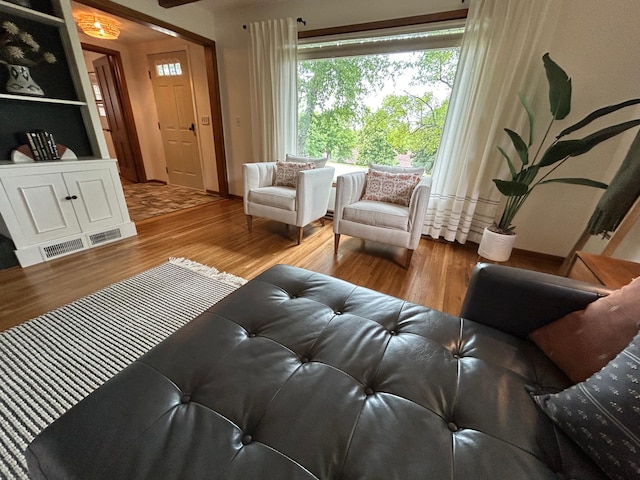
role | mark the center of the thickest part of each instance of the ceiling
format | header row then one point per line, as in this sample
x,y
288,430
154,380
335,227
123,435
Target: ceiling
x,y
130,32
224,4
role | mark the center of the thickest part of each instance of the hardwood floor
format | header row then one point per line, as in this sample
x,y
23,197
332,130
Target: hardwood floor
x,y
216,235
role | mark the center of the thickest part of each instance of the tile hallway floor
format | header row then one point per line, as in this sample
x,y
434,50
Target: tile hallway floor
x,y
146,200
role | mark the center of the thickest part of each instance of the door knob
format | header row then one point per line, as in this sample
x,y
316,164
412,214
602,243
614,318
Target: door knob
x,y
192,127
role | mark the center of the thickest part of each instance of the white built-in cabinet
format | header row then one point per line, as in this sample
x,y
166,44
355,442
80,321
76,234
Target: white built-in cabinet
x,y
57,208
51,209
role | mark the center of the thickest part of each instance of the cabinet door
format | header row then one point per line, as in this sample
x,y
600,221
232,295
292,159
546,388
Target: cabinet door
x,y
41,206
97,204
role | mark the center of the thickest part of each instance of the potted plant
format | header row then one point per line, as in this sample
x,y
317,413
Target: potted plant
x,y
534,165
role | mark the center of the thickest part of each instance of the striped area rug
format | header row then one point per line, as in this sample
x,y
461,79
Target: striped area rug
x,y
50,363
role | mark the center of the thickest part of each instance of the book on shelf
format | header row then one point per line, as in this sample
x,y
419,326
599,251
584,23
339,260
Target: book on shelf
x,y
42,145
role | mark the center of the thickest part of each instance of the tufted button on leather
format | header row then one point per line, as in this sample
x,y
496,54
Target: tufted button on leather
x,y
304,360
247,439
456,355
452,426
369,391
252,335
186,398
392,332
338,312
294,296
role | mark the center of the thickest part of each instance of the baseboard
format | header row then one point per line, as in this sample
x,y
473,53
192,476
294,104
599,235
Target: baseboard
x,y
518,251
538,255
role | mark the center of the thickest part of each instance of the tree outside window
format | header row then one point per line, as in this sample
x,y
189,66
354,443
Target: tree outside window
x,y
384,108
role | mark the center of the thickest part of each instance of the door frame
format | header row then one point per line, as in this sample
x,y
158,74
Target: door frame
x,y
127,110
211,67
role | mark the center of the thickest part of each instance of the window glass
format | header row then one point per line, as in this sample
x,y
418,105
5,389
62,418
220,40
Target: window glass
x,y
380,98
171,68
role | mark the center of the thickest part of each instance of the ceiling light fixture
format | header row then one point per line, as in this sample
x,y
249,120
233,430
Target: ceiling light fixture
x,y
98,27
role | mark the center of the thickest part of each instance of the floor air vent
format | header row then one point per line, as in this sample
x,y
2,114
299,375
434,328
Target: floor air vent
x,y
63,248
102,237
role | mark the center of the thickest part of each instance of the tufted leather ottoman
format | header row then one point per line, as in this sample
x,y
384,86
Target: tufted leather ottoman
x,y
298,375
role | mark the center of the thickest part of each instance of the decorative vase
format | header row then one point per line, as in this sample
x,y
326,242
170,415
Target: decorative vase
x,y
496,246
21,83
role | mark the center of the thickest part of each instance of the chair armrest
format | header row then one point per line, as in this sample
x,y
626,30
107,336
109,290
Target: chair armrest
x,y
313,189
349,189
418,209
518,301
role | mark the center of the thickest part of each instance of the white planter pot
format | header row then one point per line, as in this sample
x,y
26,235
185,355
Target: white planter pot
x,y
496,246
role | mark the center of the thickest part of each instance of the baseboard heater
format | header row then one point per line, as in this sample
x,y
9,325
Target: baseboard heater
x,y
107,236
62,248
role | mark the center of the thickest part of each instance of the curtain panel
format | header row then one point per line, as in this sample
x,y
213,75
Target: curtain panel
x,y
501,55
273,78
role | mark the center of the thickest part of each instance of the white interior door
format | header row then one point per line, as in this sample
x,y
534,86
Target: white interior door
x,y
174,102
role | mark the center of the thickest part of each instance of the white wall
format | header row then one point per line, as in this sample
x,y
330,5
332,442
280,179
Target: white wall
x,y
594,44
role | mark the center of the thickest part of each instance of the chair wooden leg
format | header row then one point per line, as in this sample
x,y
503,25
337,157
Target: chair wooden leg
x,y
336,241
322,221
300,230
249,222
408,258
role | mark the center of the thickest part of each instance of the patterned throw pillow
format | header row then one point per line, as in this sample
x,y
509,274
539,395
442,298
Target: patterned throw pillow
x,y
602,414
287,172
318,161
390,187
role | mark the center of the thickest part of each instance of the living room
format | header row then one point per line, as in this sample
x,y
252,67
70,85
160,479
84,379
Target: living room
x,y
589,40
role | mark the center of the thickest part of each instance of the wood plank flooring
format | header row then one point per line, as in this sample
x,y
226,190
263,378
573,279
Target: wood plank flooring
x,y
216,235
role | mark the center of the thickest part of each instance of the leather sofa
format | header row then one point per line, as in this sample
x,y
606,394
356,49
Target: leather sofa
x,y
299,375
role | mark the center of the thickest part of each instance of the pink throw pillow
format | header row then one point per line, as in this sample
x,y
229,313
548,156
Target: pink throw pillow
x,y
287,172
583,342
390,187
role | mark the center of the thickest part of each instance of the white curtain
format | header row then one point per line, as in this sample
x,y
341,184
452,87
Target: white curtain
x,y
273,77
501,55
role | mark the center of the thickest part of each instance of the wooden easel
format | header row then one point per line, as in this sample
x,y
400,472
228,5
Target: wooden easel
x,y
630,219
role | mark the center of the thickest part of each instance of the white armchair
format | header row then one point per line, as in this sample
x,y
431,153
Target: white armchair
x,y
383,222
298,206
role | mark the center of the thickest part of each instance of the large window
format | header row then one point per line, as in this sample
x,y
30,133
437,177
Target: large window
x,y
377,98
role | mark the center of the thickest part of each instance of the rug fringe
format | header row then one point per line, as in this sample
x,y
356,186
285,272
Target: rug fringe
x,y
208,271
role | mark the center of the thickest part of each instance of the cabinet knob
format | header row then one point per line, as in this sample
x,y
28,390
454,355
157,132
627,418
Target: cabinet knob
x,y
71,197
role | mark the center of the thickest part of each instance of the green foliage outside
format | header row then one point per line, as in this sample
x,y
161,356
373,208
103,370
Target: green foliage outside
x,y
334,120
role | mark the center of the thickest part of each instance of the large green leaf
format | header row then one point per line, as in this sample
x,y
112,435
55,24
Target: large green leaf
x,y
559,88
512,169
597,114
511,189
558,151
520,146
576,181
531,116
573,148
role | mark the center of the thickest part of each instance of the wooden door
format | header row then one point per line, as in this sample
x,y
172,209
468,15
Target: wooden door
x,y
105,74
174,102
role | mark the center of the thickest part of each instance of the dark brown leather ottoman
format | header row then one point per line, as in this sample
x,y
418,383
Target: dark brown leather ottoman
x,y
298,375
